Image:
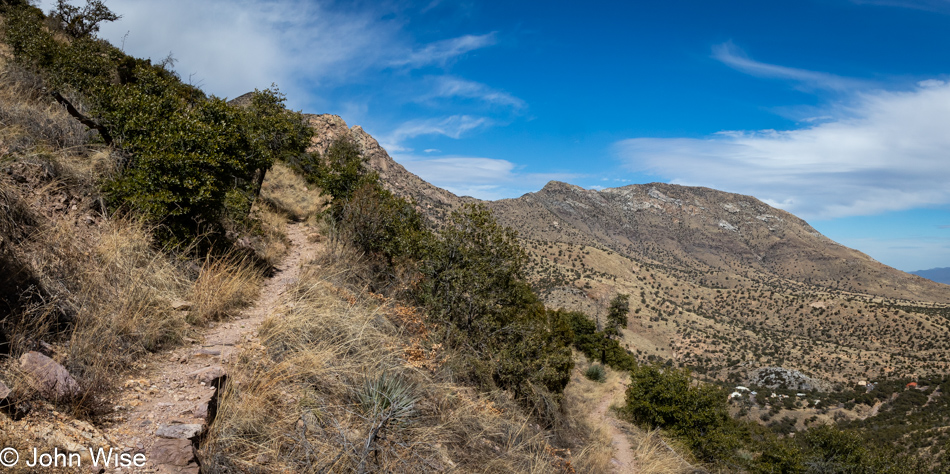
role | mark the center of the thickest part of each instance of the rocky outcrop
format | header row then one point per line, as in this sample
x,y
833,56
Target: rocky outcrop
x,y
436,203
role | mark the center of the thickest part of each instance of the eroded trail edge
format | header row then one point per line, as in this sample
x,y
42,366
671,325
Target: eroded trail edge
x,y
165,412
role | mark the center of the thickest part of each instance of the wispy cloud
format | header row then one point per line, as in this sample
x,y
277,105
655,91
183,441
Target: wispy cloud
x,y
483,178
452,126
309,48
442,52
448,87
884,151
734,57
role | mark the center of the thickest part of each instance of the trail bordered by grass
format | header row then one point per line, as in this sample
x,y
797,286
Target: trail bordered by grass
x,y
165,391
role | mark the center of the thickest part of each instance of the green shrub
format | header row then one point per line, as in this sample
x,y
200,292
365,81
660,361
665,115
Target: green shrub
x,y
186,156
596,373
473,284
666,398
595,344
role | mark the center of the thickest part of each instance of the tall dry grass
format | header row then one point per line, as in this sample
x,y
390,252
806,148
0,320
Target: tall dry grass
x,y
288,193
29,118
330,390
107,296
225,285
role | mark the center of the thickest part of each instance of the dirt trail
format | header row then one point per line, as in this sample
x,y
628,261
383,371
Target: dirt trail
x,y
622,462
175,387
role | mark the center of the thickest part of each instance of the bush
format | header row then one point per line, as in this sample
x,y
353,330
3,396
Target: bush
x,y
596,373
188,157
665,398
596,344
473,284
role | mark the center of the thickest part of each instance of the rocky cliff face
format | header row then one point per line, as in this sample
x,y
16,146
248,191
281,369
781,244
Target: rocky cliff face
x,y
433,201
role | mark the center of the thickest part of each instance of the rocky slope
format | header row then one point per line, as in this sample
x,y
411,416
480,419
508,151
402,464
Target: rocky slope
x,y
434,201
695,229
719,282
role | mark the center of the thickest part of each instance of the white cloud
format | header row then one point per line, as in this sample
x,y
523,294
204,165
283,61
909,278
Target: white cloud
x,y
483,178
454,87
453,127
885,151
730,55
232,47
229,47
442,52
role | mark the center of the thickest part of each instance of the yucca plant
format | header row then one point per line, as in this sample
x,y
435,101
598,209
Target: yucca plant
x,y
386,400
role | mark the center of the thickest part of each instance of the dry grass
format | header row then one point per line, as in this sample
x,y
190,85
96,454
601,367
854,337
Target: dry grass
x,y
104,294
225,285
29,118
655,455
274,242
298,402
287,193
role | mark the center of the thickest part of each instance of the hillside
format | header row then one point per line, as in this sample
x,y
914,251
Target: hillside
x,y
721,282
702,230
229,286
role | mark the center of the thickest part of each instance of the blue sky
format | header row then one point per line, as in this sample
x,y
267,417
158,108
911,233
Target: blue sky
x,y
835,110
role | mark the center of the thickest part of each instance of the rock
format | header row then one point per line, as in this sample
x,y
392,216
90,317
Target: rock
x,y
209,374
51,378
207,353
4,392
181,305
207,406
174,455
189,431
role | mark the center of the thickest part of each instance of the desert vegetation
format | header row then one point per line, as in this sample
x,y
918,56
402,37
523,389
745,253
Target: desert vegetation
x,y
136,212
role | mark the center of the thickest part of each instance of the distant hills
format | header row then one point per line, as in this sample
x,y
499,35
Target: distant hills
x,y
719,282
939,275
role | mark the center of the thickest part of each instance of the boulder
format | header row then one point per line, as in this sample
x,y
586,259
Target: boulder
x,y
51,379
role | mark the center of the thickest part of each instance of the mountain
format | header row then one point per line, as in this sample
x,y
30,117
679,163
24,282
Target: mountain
x,y
719,282
939,275
695,229
434,201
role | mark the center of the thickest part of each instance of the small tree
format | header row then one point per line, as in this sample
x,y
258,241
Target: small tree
x,y
617,314
81,22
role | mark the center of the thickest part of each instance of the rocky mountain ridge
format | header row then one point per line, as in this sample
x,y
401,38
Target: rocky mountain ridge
x,y
719,282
